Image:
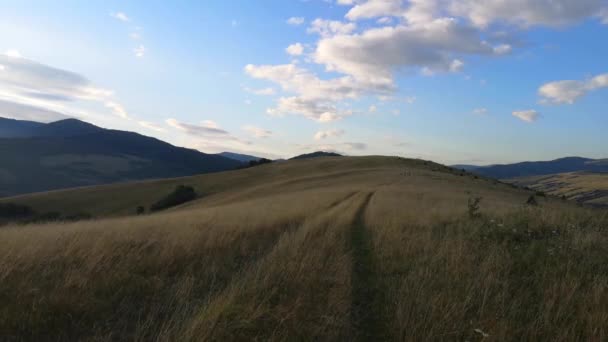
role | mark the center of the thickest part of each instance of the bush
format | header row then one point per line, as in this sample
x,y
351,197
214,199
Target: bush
x,y
474,207
15,211
140,210
180,195
532,201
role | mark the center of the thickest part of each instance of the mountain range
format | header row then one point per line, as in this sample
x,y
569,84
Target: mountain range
x,y
72,153
539,168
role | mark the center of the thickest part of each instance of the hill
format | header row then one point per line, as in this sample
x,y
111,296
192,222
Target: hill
x,y
10,128
336,248
583,187
527,169
244,158
72,153
316,155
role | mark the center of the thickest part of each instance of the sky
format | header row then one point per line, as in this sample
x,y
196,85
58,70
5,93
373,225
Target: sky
x,y
454,81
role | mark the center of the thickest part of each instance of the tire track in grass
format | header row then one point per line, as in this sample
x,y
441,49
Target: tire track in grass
x,y
366,295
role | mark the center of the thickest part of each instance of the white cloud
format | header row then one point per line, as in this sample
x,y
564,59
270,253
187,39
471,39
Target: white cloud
x,y
120,16
527,115
526,13
503,49
2,67
210,124
372,109
523,13
135,35
329,28
295,21
480,111
377,53
295,49
569,91
315,98
117,109
257,131
384,21
32,90
262,92
151,126
139,51
456,65
332,133
13,53
208,132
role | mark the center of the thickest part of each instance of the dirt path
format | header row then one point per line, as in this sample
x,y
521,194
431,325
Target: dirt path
x,y
366,295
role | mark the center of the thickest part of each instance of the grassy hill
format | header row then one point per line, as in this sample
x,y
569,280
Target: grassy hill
x,y
364,248
583,187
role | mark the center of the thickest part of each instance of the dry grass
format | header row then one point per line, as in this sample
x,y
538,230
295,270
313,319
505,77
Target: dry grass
x,y
334,249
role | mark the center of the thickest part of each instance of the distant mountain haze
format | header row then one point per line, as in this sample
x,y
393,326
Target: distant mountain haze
x,y
539,168
245,158
72,153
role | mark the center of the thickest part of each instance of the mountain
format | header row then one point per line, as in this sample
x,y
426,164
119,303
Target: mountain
x,y
316,155
240,157
71,153
10,128
539,168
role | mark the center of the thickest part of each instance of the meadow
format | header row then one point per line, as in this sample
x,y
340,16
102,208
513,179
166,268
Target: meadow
x,y
351,248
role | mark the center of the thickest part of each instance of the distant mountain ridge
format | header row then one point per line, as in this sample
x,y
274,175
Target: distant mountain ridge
x,y
539,168
71,153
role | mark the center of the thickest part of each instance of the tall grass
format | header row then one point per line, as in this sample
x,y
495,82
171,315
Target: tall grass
x,y
345,255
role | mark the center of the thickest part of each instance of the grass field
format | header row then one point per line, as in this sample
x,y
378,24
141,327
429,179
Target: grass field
x,y
583,187
367,248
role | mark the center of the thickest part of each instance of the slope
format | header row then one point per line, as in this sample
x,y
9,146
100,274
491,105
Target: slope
x,y
72,153
366,248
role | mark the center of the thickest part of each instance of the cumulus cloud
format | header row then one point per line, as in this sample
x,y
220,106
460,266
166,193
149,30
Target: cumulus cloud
x,y
295,49
139,51
527,115
328,28
523,13
120,16
28,87
257,131
428,36
569,91
480,111
295,21
526,13
315,98
377,53
261,92
332,133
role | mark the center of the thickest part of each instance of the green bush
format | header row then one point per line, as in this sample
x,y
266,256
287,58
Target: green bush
x,y
180,195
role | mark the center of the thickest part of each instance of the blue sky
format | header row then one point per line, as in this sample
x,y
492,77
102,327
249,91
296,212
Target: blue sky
x,y
455,81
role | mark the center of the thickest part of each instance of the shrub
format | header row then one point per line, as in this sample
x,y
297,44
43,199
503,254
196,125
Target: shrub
x,y
140,210
15,211
532,201
474,207
180,195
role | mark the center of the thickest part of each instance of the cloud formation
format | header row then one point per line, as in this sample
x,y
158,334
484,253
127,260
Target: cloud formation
x,y
295,49
257,132
120,16
34,91
207,131
332,133
295,21
527,115
569,91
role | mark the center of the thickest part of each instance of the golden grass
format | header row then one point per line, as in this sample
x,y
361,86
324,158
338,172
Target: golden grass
x,y
333,249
